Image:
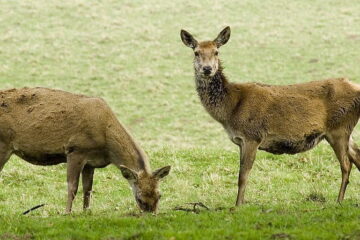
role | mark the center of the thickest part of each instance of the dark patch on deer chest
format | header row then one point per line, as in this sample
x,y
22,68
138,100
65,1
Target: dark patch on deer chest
x,y
213,92
293,146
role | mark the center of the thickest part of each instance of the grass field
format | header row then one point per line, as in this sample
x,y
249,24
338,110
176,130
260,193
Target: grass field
x,y
130,53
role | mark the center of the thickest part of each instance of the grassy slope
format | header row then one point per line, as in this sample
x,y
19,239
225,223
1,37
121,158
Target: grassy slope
x,y
130,53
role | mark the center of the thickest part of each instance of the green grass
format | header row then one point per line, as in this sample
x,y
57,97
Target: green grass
x,y
130,53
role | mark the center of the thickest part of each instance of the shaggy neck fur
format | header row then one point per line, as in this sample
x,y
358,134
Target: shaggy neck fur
x,y
213,92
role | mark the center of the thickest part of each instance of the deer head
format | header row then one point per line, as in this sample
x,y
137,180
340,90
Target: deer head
x,y
206,53
145,186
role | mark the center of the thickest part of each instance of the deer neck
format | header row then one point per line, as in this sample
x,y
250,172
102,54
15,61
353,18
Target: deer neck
x,y
123,150
214,94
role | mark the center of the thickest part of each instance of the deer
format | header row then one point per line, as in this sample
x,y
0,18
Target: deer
x,y
47,127
279,119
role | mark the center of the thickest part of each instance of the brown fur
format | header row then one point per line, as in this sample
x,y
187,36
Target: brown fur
x,y
278,119
47,127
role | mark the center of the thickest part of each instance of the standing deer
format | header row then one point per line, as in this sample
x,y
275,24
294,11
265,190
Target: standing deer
x,y
277,119
48,127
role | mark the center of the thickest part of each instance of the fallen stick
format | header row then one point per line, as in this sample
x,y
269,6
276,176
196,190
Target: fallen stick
x,y
193,209
32,209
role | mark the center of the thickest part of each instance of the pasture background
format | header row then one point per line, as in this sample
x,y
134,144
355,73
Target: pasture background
x,y
130,54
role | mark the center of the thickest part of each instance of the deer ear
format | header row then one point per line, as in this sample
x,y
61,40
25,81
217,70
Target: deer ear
x,y
188,39
161,172
128,173
223,37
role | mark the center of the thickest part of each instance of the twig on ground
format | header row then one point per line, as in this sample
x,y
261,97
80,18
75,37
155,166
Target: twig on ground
x,y
32,209
193,209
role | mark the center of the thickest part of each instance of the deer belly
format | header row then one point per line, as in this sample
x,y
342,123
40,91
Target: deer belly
x,y
291,146
43,159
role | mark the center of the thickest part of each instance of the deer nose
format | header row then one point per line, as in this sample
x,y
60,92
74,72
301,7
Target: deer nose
x,y
207,70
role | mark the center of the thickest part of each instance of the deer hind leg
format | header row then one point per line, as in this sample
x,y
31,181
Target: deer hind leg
x,y
75,164
340,145
87,182
5,153
247,157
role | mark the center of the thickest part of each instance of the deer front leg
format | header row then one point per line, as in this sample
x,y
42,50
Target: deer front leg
x,y
340,144
87,182
345,166
354,153
75,164
247,157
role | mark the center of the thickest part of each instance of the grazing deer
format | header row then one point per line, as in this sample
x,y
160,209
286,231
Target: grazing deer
x,y
48,127
277,119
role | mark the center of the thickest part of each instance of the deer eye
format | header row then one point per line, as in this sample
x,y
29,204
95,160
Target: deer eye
x,y
216,53
196,54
